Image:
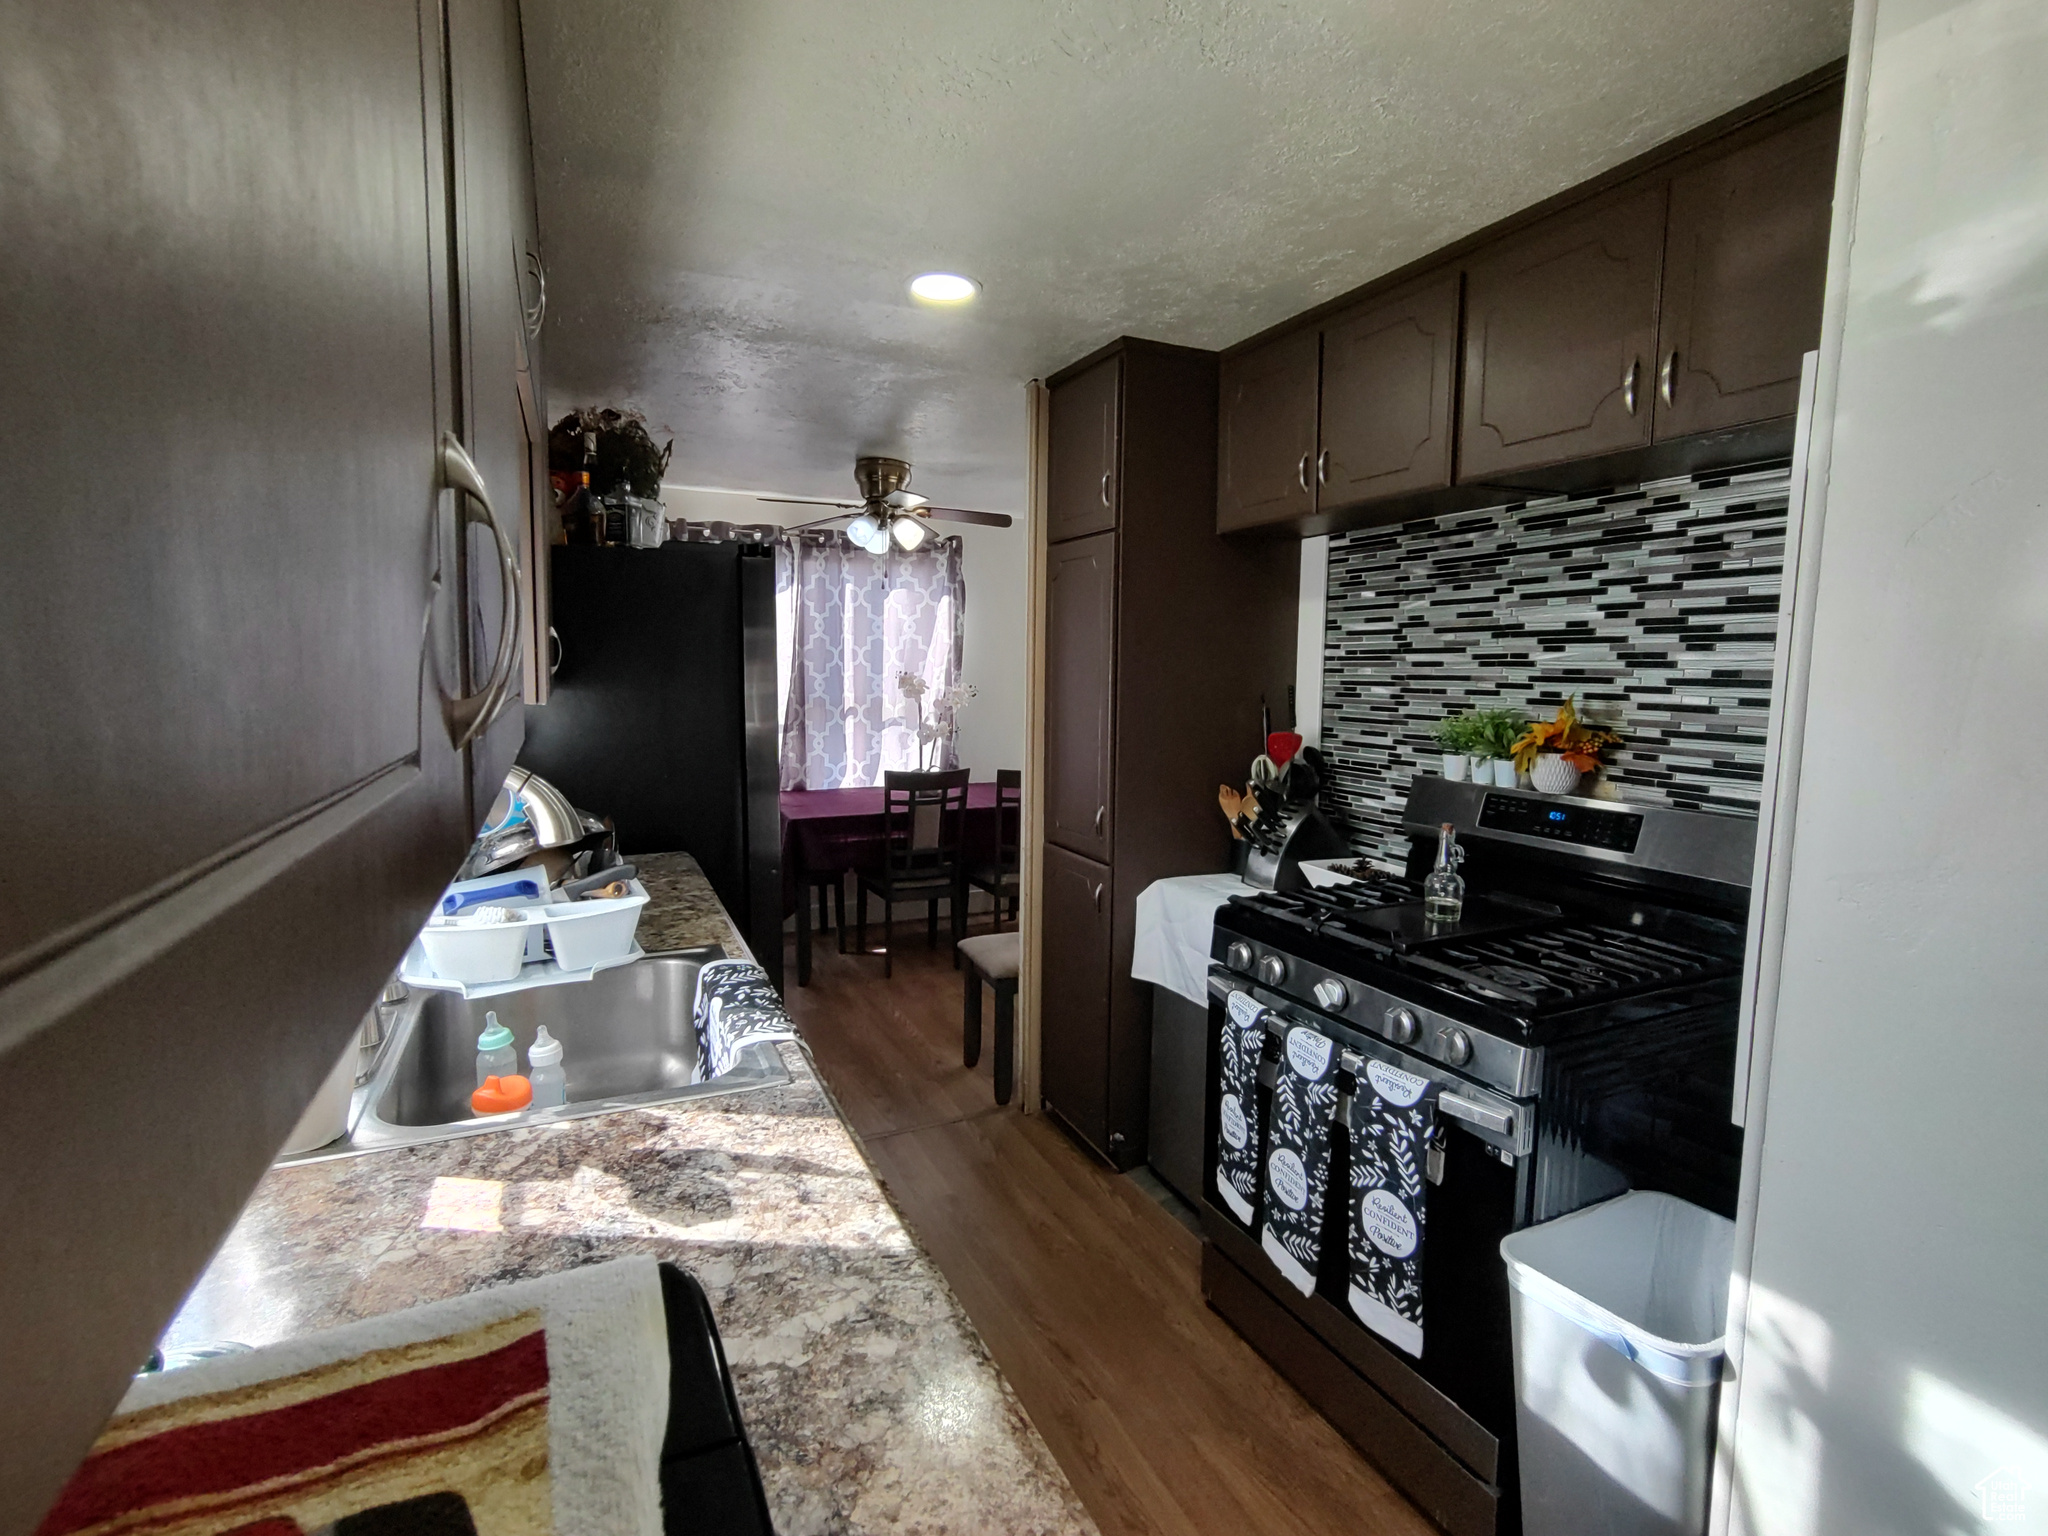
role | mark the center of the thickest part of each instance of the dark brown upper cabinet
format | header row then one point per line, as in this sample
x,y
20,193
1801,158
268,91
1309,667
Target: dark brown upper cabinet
x,y
1080,649
1745,260
1560,337
1083,453
1389,382
246,655
1266,434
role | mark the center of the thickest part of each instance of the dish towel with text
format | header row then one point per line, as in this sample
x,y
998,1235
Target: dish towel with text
x,y
1391,1121
736,1007
1298,1154
1237,1144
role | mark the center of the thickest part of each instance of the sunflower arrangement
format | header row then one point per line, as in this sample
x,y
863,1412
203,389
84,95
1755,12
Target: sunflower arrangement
x,y
1577,743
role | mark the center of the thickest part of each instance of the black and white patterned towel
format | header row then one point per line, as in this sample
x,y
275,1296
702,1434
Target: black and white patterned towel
x,y
1237,1147
736,1007
1298,1154
1391,1121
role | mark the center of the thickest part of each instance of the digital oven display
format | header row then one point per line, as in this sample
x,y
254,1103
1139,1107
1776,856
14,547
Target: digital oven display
x,y
1615,830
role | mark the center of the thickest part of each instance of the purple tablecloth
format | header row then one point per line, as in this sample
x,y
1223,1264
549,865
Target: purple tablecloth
x,y
842,829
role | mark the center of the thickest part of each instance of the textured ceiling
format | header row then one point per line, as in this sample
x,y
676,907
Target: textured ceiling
x,y
733,193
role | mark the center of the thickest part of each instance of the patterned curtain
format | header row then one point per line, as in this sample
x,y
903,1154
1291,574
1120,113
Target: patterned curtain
x,y
860,622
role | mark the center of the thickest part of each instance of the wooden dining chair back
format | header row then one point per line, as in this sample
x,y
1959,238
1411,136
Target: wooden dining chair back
x,y
924,822
1004,879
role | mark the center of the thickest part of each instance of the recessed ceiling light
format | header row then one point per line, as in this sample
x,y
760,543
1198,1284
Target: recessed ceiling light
x,y
944,288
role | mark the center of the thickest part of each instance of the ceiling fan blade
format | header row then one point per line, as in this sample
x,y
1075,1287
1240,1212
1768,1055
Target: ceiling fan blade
x,y
809,501
962,515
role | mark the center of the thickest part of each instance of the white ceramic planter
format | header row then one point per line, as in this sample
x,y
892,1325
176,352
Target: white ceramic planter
x,y
1455,764
1504,773
1553,775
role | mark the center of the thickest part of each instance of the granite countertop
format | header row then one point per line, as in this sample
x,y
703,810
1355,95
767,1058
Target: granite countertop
x,y
870,1400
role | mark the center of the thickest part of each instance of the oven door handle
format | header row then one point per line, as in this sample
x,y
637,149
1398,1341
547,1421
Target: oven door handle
x,y
1500,1121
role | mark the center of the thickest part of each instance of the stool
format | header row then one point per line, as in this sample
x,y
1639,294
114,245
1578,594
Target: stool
x,y
995,958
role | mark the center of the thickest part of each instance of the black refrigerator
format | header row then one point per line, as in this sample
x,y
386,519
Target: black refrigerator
x,y
662,713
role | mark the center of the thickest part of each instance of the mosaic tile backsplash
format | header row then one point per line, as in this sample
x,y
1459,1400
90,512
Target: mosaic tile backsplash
x,y
1657,606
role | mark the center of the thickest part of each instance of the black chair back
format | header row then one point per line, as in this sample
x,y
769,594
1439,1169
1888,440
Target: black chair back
x,y
924,816
1010,819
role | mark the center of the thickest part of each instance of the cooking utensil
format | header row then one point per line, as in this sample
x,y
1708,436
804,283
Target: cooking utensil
x,y
574,889
1232,802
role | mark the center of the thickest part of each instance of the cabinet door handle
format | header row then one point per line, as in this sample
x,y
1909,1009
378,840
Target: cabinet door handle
x,y
1323,467
468,717
1628,384
1666,374
1098,898
1105,488
1100,812
1301,473
561,650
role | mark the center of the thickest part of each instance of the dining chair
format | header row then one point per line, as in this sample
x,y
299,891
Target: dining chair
x,y
994,958
924,817
1004,879
829,861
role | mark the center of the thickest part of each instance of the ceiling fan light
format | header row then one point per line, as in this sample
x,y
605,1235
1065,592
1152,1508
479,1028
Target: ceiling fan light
x,y
907,531
862,530
943,288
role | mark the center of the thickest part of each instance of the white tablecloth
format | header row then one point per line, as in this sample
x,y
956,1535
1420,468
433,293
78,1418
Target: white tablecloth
x,y
1176,920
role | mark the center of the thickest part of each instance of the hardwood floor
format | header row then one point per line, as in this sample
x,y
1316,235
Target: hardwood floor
x,y
1086,1289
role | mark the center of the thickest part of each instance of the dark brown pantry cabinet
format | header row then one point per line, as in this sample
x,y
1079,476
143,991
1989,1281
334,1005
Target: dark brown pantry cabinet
x,y
1081,478
1162,640
1080,630
257,417
1560,339
1075,1016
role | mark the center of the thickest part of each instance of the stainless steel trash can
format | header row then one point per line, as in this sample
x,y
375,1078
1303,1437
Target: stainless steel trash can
x,y
1618,1314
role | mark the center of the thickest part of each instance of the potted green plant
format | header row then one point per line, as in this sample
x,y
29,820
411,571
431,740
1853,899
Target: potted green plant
x,y
1453,736
1494,734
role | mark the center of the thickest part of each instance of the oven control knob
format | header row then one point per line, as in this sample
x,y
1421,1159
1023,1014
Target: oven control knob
x,y
1332,994
1401,1025
1457,1046
1273,970
1239,956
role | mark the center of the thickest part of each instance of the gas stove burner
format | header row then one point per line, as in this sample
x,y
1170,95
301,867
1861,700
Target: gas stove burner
x,y
1572,966
1506,983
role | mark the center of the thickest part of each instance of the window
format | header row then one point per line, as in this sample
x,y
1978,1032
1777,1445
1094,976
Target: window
x,y
856,623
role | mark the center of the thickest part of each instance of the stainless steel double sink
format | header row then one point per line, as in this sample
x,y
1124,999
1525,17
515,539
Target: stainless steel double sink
x,y
628,1040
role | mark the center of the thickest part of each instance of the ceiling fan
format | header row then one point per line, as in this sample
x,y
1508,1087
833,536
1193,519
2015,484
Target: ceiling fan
x,y
887,510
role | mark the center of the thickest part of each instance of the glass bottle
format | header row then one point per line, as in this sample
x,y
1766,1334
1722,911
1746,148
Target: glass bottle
x,y
1443,892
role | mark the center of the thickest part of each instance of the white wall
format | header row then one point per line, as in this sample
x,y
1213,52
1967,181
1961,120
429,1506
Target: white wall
x,y
995,559
1894,1366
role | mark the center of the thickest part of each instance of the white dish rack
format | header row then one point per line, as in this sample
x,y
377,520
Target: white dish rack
x,y
587,934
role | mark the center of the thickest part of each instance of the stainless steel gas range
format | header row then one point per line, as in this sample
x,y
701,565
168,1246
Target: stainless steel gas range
x,y
1571,1036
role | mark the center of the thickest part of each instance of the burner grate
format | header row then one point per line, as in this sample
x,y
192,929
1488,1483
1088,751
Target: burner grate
x,y
1570,966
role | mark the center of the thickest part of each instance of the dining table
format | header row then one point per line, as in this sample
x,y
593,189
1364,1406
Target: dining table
x,y
827,829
